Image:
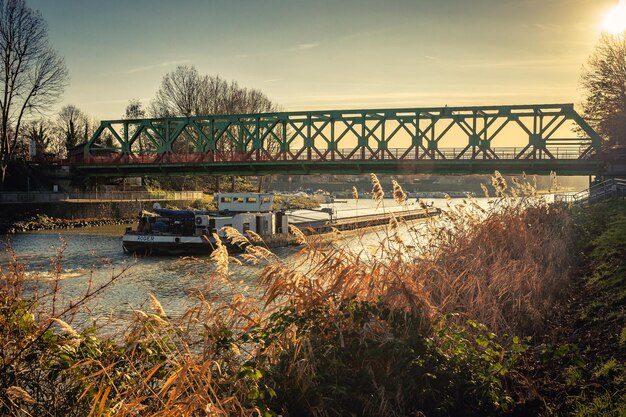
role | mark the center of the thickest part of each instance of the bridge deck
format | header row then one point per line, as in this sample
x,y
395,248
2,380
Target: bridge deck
x,y
564,161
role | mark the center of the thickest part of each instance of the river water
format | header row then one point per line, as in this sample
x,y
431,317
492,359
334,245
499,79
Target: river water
x,y
95,254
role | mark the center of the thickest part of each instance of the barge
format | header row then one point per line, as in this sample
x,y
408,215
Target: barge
x,y
189,232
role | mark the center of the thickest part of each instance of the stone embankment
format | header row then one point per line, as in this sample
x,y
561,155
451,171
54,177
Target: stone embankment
x,y
43,222
22,217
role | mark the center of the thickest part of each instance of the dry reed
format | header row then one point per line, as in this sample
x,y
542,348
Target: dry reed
x,y
377,190
398,193
156,306
500,265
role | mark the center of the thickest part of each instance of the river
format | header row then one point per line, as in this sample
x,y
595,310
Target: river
x,y
95,254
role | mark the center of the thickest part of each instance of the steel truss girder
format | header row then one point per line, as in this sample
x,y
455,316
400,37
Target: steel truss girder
x,y
348,135
388,166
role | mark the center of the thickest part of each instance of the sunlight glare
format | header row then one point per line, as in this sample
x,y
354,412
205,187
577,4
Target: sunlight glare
x,y
615,19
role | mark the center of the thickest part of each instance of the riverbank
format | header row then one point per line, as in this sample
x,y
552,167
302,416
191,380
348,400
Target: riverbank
x,y
16,218
577,366
21,217
42,222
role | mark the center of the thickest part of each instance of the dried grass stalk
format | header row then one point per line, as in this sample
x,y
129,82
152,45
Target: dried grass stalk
x,y
234,237
220,255
156,306
355,193
300,237
377,190
67,329
254,237
398,193
16,393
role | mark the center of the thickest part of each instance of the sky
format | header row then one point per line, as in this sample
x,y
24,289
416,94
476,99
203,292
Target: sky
x,y
328,54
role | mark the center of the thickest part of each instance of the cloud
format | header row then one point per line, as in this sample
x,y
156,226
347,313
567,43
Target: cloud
x,y
367,33
304,46
159,65
419,99
540,63
295,48
112,101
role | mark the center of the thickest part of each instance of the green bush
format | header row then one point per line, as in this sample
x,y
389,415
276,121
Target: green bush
x,y
366,359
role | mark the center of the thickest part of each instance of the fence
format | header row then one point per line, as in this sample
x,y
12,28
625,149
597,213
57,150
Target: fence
x,y
39,197
351,154
610,189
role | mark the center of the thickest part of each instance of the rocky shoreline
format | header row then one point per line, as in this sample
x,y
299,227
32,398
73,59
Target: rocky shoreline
x,y
43,222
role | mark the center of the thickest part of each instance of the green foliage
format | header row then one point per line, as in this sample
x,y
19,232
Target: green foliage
x,y
601,233
607,368
605,405
367,359
590,368
207,202
294,202
40,361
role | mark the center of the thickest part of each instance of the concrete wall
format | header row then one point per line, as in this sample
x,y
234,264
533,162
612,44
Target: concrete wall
x,y
72,210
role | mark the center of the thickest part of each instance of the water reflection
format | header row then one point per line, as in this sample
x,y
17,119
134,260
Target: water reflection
x,y
93,255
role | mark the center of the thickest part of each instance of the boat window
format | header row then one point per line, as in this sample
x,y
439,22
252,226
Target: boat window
x,y
226,199
265,199
251,200
238,200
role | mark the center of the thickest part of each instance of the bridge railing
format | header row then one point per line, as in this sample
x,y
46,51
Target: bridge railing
x,y
351,154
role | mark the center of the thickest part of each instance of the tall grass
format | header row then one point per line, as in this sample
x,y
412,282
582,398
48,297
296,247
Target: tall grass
x,y
502,265
404,328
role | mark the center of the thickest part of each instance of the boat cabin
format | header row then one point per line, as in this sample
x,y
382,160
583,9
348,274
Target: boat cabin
x,y
244,202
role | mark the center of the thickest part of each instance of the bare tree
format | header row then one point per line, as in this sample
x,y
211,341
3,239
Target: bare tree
x,y
184,92
32,75
180,93
46,134
89,128
74,124
604,83
134,110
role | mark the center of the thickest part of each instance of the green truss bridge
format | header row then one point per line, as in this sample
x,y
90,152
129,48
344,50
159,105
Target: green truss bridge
x,y
536,139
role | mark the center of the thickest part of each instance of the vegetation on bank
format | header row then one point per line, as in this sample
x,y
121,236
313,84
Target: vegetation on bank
x,y
579,363
433,320
43,222
280,202
294,202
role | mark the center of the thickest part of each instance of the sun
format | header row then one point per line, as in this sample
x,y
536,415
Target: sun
x,y
615,19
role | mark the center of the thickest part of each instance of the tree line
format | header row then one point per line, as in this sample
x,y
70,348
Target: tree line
x,y
183,92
